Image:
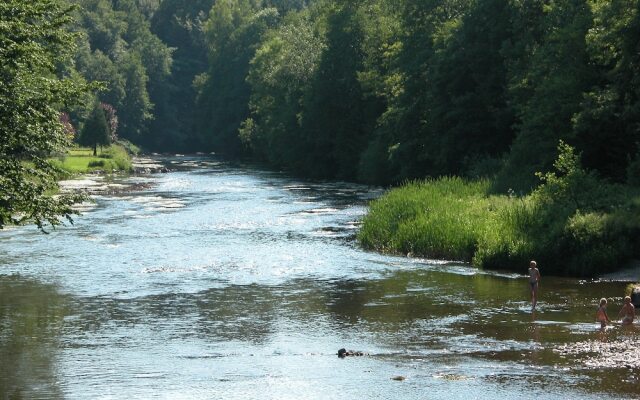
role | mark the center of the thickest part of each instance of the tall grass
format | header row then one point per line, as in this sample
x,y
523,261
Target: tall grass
x,y
442,218
455,219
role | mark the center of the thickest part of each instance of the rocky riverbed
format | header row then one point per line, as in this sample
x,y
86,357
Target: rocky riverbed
x,y
145,165
619,353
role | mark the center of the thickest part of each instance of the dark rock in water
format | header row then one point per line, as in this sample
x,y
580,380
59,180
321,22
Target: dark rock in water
x,y
635,296
342,353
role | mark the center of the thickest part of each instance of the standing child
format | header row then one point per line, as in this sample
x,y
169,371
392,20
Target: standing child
x,y
534,281
601,314
628,311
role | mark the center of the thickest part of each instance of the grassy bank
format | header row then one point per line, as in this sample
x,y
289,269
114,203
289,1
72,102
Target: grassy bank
x,y
113,158
573,224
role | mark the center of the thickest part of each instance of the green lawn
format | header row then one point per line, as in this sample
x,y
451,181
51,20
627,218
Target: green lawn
x,y
81,160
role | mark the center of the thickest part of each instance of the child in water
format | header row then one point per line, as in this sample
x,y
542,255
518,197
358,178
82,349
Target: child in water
x,y
628,311
534,281
601,314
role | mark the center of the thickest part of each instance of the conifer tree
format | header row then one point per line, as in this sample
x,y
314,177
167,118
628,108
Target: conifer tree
x,y
96,130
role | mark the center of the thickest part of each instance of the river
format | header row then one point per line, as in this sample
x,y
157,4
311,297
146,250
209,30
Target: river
x,y
224,281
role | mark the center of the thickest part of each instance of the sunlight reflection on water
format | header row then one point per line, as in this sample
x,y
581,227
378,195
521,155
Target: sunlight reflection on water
x,y
230,282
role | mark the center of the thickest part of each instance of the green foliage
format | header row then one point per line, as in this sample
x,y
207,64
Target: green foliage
x,y
468,115
136,106
96,131
178,23
279,74
606,127
546,87
114,158
441,218
129,147
233,32
573,224
334,121
119,49
34,45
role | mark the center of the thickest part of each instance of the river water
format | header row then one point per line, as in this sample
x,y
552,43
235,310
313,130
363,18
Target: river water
x,y
224,281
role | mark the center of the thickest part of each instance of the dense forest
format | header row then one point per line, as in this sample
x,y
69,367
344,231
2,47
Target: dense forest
x,y
375,91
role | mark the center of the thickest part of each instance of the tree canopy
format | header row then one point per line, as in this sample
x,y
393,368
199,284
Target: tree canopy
x,y
36,86
96,131
378,91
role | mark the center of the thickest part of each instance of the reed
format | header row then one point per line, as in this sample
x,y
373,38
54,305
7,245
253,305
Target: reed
x,y
455,219
443,218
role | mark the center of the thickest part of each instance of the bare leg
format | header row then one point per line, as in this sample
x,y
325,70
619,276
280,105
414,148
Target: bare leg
x,y
534,296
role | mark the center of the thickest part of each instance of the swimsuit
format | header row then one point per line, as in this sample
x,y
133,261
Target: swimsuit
x,y
533,278
602,315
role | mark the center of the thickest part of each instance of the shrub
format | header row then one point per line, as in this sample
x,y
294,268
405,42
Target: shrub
x,y
573,224
96,163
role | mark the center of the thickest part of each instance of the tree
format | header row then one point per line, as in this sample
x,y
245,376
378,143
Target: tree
x,y
400,149
136,108
607,127
469,118
547,90
178,23
334,119
96,131
280,73
119,49
33,92
233,31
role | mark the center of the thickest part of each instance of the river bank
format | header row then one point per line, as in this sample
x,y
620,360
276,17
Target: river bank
x,y
115,158
573,226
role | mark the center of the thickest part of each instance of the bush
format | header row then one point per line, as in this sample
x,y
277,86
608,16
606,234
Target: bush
x,y
129,147
594,244
118,158
96,163
572,224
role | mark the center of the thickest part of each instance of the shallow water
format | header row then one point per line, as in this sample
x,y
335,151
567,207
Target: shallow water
x,y
223,281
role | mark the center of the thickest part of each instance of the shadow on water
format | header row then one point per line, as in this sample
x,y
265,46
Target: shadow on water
x,y
451,327
31,320
219,281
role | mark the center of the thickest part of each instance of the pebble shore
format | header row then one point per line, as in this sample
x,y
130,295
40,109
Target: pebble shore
x,y
620,353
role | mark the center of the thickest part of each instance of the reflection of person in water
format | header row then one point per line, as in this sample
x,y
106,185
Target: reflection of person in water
x,y
342,353
628,311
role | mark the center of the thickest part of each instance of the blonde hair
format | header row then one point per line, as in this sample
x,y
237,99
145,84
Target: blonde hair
x,y
627,299
533,263
603,301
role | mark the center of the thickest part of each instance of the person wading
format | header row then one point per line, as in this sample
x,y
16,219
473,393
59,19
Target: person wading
x,y
534,282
